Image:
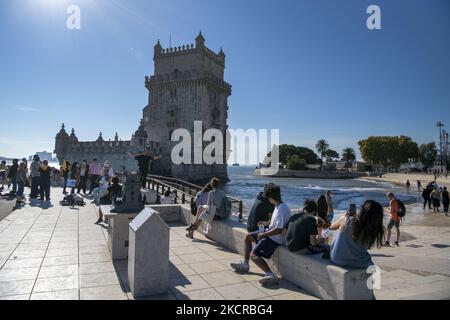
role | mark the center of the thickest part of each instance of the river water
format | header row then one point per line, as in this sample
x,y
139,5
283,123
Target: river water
x,y
245,185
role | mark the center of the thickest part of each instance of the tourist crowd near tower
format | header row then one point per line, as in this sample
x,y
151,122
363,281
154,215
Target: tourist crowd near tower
x,y
187,86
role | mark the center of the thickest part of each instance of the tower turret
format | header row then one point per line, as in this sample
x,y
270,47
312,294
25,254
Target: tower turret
x,y
61,141
100,138
73,138
157,49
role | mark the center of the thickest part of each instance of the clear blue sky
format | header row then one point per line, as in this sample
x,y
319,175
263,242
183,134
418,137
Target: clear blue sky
x,y
308,67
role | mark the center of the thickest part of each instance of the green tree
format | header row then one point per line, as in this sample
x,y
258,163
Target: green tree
x,y
287,150
428,154
391,152
331,154
349,156
322,147
296,163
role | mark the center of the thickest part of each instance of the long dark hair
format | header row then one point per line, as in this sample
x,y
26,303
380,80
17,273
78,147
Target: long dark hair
x,y
322,207
207,187
368,226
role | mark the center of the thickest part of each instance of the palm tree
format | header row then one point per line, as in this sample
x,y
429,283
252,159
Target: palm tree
x,y
348,155
322,148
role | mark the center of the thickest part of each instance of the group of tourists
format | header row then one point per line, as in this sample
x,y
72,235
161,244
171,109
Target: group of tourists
x,y
434,196
77,176
271,224
37,177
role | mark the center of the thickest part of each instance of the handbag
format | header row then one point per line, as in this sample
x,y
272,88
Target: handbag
x,y
71,183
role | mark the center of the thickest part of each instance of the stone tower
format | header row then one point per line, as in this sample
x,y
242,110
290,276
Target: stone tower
x,y
188,85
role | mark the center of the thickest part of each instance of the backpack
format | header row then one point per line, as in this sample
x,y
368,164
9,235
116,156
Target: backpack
x,y
401,209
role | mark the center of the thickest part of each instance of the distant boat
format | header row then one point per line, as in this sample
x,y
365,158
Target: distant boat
x,y
235,164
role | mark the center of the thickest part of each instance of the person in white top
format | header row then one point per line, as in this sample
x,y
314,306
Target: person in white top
x,y
267,238
168,198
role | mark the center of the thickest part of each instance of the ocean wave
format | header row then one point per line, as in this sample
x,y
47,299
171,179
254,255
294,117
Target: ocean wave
x,y
344,190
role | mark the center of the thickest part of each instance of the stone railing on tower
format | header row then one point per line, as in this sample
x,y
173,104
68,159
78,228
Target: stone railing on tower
x,y
193,75
190,48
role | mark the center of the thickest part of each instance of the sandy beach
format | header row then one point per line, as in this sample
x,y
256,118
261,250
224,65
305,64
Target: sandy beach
x,y
401,178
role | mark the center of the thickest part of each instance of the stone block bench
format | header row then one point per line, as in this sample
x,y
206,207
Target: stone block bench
x,y
310,272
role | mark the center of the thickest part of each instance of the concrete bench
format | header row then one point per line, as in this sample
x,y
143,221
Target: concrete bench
x,y
310,272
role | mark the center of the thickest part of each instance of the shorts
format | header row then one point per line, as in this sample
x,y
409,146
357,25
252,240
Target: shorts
x,y
265,247
393,223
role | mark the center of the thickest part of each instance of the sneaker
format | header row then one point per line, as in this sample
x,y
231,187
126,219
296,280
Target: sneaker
x,y
99,221
387,244
396,243
268,280
240,267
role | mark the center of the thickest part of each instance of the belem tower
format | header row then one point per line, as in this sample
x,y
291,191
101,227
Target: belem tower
x,y
188,85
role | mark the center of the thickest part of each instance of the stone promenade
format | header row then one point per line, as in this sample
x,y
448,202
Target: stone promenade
x,y
55,252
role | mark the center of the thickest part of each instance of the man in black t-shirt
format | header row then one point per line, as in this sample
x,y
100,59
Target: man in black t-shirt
x,y
143,160
301,229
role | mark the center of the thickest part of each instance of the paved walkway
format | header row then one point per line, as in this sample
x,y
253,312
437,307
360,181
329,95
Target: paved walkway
x,y
420,267
55,252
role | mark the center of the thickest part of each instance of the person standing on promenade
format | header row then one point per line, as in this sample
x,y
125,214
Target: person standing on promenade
x,y
394,219
356,235
35,177
260,211
408,185
426,195
419,185
65,170
329,198
12,175
22,178
436,200
95,170
143,160
2,174
84,172
267,241
45,172
445,200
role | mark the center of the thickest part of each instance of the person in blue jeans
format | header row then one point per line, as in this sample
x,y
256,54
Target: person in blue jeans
x,y
267,240
356,235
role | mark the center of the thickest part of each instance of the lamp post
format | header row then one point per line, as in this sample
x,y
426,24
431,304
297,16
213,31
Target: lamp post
x,y
446,149
440,125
